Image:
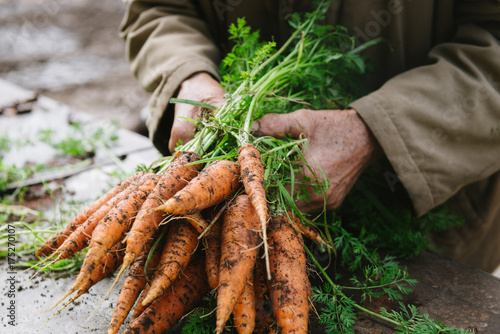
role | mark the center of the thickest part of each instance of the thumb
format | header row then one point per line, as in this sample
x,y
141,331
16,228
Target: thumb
x,y
293,124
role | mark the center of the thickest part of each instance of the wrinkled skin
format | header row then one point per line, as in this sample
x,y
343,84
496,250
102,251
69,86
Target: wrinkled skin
x,y
340,143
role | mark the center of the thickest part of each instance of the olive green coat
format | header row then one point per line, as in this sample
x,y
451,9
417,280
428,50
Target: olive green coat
x,y
434,106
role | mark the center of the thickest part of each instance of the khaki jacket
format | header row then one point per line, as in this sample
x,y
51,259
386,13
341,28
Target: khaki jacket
x,y
434,105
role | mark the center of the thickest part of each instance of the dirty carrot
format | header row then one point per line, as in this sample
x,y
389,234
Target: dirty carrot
x,y
177,175
113,228
263,308
139,308
307,230
290,287
108,264
212,243
180,245
197,221
80,237
244,309
167,310
134,284
56,240
239,250
214,184
252,177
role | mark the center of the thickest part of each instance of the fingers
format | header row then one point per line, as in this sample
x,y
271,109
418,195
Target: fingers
x,y
182,130
293,124
198,87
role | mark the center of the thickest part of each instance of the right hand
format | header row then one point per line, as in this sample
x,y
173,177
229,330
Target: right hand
x,y
198,87
340,145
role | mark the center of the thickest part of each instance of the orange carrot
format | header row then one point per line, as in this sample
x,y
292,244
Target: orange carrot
x,y
244,309
134,284
167,310
79,239
147,222
212,243
197,221
139,308
290,287
113,228
307,230
56,240
108,264
182,241
173,179
252,177
214,184
263,308
238,255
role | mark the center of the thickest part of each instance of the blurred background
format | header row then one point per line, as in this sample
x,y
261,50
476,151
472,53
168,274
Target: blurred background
x,y
71,51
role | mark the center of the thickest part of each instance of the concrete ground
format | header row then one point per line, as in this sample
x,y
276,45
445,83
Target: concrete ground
x,y
71,51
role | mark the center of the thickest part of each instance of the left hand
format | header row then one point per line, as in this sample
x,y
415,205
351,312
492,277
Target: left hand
x,y
340,144
198,87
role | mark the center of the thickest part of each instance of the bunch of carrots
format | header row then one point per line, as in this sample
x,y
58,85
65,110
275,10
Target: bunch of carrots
x,y
215,216
215,220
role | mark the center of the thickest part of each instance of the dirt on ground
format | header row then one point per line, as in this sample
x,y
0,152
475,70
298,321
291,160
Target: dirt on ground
x,y
71,51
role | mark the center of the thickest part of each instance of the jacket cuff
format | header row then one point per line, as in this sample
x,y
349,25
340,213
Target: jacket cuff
x,y
379,120
161,117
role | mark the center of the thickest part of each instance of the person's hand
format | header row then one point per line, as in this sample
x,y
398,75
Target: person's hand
x,y
339,142
198,87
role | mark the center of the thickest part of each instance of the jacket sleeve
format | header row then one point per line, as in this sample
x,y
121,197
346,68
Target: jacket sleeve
x,y
439,125
166,42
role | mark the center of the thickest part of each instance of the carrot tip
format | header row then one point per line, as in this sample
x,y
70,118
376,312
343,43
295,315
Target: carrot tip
x,y
59,301
44,267
149,297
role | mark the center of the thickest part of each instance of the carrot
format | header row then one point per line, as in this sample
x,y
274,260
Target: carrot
x,y
252,177
79,239
212,243
113,228
133,285
108,264
56,240
166,311
197,221
290,287
244,309
307,230
214,184
263,307
173,179
182,241
238,255
139,308
177,175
